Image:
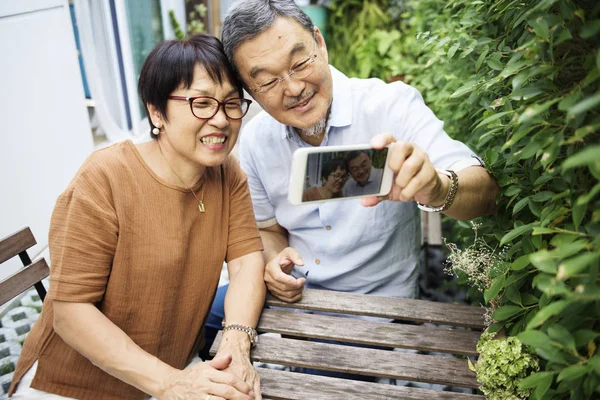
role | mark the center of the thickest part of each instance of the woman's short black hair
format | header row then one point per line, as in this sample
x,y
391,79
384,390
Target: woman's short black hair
x,y
331,166
171,63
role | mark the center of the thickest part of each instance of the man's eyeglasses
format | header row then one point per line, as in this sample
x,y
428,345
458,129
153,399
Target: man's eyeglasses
x,y
301,68
205,107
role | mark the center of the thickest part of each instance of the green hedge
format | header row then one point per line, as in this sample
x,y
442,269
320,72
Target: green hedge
x,y
518,81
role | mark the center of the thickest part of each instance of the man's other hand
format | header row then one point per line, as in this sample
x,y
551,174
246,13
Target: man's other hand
x,y
278,276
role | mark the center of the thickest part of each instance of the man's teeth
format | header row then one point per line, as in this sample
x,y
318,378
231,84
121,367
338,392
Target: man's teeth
x,y
213,139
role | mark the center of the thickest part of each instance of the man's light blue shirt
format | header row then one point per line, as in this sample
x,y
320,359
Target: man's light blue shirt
x,y
371,186
345,246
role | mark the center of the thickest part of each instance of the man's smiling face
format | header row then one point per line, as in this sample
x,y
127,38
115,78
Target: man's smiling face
x,y
297,102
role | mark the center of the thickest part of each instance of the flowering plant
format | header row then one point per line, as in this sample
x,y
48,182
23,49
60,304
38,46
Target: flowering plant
x,y
502,364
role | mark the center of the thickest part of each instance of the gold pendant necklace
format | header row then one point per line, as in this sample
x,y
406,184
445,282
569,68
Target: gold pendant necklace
x,y
200,201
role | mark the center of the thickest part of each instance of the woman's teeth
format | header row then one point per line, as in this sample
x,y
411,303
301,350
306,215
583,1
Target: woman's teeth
x,y
213,139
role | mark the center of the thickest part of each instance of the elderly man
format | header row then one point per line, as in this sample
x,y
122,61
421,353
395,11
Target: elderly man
x,y
365,246
364,179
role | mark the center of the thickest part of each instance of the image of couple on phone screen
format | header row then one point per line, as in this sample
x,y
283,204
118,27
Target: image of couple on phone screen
x,y
343,174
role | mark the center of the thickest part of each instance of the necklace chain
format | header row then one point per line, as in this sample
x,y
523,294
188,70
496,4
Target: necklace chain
x,y
200,201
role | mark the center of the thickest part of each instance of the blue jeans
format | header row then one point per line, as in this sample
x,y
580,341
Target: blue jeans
x,y
213,323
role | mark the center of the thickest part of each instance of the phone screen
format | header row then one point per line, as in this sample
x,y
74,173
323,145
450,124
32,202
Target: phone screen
x,y
339,174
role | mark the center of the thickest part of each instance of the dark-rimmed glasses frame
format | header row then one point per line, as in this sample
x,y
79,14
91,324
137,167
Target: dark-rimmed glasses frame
x,y
244,103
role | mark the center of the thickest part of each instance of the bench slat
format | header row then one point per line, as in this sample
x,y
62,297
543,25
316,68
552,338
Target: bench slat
x,y
284,385
386,307
362,361
22,280
12,245
382,334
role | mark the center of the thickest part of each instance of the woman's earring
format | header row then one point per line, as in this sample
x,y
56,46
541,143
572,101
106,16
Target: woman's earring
x,y
156,130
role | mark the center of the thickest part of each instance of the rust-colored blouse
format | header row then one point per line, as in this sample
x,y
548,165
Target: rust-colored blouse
x,y
138,248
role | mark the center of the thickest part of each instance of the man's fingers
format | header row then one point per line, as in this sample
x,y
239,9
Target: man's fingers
x,y
382,140
290,254
370,201
400,151
410,168
418,182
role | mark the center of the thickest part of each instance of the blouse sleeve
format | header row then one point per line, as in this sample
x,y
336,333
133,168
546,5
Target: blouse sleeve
x,y
82,241
243,231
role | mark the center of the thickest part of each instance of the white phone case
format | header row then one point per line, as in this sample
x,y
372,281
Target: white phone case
x,y
309,165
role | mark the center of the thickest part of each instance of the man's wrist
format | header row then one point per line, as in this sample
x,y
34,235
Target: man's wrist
x,y
449,193
443,189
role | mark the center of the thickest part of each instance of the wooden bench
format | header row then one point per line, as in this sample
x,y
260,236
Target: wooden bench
x,y
30,275
457,334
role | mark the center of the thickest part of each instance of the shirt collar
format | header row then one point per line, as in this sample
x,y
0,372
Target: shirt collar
x,y
341,106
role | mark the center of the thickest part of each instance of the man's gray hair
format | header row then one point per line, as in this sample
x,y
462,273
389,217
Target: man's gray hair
x,y
247,19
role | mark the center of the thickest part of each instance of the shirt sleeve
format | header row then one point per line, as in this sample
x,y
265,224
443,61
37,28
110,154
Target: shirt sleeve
x,y
243,232
422,127
82,240
263,208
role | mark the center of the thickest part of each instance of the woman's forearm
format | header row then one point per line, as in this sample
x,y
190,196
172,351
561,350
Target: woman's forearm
x,y
246,293
83,327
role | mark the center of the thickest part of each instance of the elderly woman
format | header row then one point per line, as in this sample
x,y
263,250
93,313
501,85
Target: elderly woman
x,y
137,241
333,177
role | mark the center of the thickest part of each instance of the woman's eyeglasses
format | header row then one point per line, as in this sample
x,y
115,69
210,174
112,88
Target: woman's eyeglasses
x,y
206,107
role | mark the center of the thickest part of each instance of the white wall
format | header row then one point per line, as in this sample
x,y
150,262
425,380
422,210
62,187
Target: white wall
x,y
44,127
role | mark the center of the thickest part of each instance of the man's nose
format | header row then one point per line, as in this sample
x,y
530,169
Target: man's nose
x,y
293,86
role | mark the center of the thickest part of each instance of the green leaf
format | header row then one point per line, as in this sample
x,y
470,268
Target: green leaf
x,y
587,156
453,50
505,312
542,196
543,261
542,231
576,264
520,205
482,57
571,373
534,338
466,88
540,27
560,334
494,289
535,379
584,336
515,233
513,190
512,294
550,310
578,213
535,110
495,64
520,263
585,105
543,386
595,363
493,118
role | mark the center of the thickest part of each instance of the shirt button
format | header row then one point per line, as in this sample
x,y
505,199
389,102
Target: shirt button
x,y
328,227
317,261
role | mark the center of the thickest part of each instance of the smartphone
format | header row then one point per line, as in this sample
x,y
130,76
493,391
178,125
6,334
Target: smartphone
x,y
338,172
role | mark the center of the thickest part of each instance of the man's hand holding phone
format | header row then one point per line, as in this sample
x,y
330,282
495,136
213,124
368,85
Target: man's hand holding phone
x,y
278,276
415,178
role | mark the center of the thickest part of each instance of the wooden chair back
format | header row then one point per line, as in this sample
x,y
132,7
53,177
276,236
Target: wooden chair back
x,y
30,275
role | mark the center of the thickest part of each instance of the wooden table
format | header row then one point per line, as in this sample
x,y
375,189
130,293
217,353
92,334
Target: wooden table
x,y
458,335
